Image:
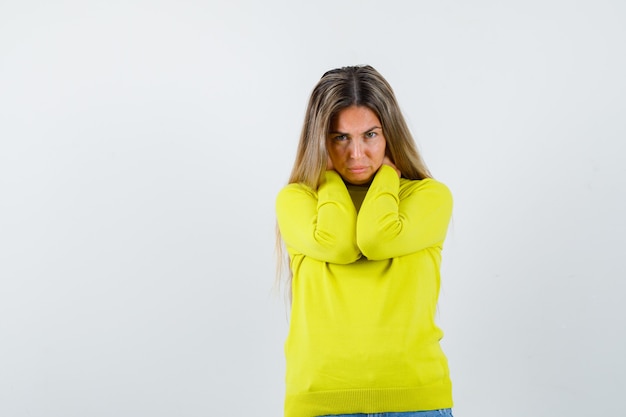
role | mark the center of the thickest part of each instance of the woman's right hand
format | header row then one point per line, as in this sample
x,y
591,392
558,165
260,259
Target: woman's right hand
x,y
387,161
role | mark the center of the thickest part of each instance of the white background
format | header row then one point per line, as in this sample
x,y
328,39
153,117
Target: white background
x,y
142,144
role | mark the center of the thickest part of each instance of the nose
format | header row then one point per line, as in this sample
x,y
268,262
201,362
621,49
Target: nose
x,y
356,149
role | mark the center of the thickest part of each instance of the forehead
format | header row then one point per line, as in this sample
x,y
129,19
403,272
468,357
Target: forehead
x,y
357,118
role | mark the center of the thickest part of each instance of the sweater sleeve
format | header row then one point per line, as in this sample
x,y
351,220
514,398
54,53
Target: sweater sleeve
x,y
392,223
322,224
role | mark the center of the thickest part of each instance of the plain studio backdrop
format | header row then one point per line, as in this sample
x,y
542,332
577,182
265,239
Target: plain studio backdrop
x,y
143,143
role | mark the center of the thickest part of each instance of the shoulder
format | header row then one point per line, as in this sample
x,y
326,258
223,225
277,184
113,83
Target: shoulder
x,y
294,191
330,180
426,187
425,184
295,187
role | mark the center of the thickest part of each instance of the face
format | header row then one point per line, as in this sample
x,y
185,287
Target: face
x,y
356,144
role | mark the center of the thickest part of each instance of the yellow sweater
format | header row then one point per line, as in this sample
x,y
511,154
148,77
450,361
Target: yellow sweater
x,y
362,336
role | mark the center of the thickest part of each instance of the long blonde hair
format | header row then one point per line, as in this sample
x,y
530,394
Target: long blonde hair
x,y
336,90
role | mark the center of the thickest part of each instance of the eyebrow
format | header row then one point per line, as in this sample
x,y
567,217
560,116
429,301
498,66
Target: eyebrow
x,y
335,132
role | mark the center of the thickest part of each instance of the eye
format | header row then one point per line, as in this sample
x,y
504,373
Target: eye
x,y
340,138
371,135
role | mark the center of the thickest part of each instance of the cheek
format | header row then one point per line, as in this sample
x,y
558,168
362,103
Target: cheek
x,y
380,151
336,154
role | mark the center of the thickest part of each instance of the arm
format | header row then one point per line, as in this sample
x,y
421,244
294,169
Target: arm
x,y
320,225
392,223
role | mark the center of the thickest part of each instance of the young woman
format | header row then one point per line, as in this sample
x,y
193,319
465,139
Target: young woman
x,y
363,223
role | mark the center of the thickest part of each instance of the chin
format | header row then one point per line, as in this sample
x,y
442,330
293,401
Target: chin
x,y
359,180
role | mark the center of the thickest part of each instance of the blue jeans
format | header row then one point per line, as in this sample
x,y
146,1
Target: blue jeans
x,y
446,412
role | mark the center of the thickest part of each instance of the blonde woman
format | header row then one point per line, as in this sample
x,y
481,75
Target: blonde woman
x,y
363,224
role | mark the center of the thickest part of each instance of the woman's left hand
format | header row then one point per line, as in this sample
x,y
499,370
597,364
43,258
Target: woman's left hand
x,y
329,164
